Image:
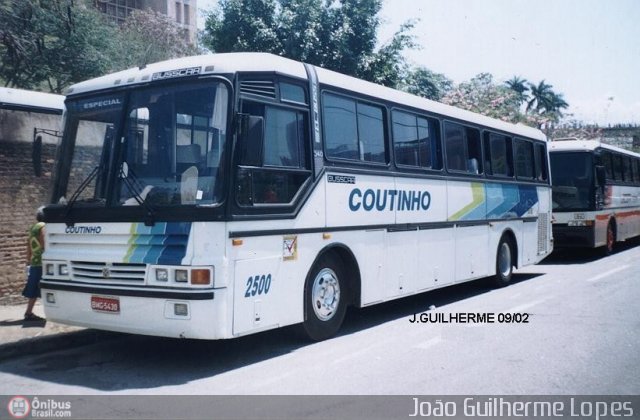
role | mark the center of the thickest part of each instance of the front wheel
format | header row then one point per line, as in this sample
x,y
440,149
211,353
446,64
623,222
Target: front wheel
x,y
325,298
504,263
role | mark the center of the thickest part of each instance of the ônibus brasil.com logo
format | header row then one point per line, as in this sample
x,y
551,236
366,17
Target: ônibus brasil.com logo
x,y
19,407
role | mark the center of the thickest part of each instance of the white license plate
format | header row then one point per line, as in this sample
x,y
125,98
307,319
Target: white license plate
x,y
105,304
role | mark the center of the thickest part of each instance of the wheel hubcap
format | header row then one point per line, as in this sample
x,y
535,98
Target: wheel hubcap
x,y
325,294
504,260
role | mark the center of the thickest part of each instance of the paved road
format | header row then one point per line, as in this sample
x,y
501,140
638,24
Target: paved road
x,y
582,338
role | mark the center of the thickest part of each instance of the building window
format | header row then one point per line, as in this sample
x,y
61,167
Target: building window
x,y
186,14
178,12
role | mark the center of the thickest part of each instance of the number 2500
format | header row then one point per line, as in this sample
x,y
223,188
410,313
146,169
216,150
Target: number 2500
x,y
257,285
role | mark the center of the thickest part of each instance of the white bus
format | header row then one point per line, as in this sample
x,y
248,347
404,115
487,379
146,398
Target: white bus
x,y
221,195
596,194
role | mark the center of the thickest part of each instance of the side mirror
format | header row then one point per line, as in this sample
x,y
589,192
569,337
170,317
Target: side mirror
x,y
251,139
601,175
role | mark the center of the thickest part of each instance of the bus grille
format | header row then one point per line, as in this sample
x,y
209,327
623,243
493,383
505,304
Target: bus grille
x,y
98,271
543,232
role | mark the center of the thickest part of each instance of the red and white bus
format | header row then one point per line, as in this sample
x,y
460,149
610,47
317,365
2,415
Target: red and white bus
x,y
596,194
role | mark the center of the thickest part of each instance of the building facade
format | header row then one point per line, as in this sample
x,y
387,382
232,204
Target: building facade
x,y
182,12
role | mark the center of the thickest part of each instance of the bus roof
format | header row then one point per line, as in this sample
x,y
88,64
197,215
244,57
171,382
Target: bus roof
x,y
28,100
264,62
585,145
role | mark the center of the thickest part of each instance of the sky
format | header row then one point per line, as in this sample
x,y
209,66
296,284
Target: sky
x,y
589,50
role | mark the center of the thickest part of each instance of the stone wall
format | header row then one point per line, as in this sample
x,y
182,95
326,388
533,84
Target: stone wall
x,y
21,193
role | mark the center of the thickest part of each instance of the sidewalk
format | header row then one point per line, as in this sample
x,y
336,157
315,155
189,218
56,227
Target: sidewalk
x,y
20,338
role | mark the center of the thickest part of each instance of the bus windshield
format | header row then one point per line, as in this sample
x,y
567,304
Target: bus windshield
x,y
573,183
170,148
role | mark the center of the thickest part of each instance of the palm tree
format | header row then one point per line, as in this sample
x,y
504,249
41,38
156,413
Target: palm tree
x,y
557,103
518,85
541,97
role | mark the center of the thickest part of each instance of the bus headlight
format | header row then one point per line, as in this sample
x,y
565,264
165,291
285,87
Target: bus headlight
x,y
162,274
49,269
182,276
63,270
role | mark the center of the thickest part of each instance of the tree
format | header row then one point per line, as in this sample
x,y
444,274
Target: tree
x,y
519,86
339,35
53,43
242,25
483,96
540,96
423,82
545,105
148,37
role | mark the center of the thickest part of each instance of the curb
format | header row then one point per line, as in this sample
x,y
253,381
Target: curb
x,y
54,342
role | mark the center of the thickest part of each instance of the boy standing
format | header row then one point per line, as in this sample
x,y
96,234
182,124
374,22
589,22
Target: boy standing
x,y
35,248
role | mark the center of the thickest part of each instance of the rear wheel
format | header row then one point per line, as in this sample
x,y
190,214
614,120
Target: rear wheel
x,y
504,263
325,297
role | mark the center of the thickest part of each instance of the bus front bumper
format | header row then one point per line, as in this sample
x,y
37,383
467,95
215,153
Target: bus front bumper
x,y
565,236
197,315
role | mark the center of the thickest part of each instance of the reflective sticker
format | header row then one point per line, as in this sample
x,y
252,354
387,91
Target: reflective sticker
x,y
290,247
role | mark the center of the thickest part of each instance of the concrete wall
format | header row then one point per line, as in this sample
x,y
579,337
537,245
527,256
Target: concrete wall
x,y
17,126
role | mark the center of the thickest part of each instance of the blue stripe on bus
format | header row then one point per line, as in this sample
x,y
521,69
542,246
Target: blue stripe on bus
x,y
504,201
163,243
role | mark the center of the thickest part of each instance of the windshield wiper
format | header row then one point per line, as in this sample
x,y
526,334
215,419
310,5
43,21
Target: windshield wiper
x,y
140,199
83,185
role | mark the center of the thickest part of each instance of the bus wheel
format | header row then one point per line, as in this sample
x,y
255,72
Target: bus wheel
x,y
325,299
504,263
611,239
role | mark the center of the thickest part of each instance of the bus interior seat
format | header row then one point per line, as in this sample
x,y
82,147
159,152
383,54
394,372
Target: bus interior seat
x,y
472,166
187,156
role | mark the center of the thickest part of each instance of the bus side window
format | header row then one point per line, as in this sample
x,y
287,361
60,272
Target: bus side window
x,y
282,167
608,164
541,162
353,129
628,171
498,154
618,171
455,147
415,140
525,161
474,151
463,148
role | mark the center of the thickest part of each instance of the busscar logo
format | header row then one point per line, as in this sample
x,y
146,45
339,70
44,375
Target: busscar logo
x,y
19,407
190,71
341,179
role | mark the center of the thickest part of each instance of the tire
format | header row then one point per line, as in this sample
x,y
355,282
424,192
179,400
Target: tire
x,y
609,246
325,299
504,263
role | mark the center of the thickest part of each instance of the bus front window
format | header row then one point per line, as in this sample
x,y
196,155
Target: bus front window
x,y
87,143
173,145
573,181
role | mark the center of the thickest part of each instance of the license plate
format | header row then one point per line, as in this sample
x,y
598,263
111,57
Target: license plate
x,y
105,304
